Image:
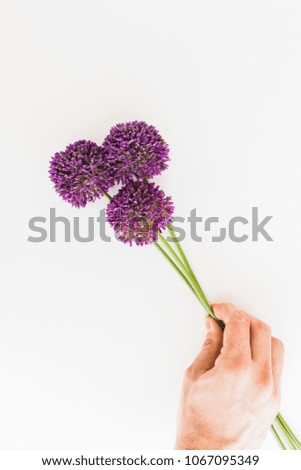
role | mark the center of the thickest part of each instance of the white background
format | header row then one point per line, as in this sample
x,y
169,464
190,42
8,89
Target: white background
x,y
95,337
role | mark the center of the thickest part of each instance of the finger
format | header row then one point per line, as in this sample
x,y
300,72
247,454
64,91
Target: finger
x,y
210,350
236,341
261,346
277,362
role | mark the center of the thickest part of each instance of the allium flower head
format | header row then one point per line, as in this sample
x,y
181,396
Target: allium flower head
x,y
136,150
79,173
139,211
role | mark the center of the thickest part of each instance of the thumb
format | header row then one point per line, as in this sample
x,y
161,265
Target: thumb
x,y
210,350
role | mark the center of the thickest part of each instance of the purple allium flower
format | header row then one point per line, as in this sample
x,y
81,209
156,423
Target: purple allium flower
x,y
139,211
79,173
135,151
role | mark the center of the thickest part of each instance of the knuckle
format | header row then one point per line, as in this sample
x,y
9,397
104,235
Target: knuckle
x,y
190,373
265,381
223,307
228,306
262,326
266,328
209,343
240,365
278,344
240,316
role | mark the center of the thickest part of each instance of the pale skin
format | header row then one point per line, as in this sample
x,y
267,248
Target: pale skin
x,y
231,392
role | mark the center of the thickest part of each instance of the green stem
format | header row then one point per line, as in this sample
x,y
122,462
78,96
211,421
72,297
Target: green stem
x,y
106,195
172,252
287,437
173,264
288,431
184,257
278,438
194,284
189,272
187,278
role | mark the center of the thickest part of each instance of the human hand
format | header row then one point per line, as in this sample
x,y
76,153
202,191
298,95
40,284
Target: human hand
x,y
231,392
